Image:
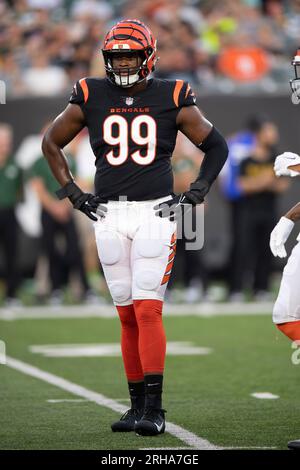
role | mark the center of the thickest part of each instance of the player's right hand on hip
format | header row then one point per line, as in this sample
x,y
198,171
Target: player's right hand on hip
x,y
284,163
91,206
87,203
279,236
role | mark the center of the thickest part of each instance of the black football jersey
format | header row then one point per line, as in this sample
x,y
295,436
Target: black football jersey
x,y
132,137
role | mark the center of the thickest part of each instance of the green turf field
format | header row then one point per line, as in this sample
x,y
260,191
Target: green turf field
x,y
208,395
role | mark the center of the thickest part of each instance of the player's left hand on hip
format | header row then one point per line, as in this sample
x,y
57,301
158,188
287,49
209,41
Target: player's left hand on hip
x,y
173,208
283,163
176,207
279,236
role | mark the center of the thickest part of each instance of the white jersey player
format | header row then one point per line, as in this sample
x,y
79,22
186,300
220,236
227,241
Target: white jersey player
x,y
286,311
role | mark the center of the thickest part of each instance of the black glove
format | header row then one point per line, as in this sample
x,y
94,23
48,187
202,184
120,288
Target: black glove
x,y
85,202
177,206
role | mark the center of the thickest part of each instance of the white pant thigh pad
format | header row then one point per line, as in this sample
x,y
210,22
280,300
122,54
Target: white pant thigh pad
x,y
114,254
149,248
150,261
109,247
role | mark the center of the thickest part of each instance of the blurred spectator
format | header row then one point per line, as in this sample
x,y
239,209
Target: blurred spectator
x,y
46,46
256,215
60,238
10,194
91,9
240,145
43,79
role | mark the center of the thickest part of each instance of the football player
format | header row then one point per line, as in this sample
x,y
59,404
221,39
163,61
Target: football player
x,y
286,311
133,121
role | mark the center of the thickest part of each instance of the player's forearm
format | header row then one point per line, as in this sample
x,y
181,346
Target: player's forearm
x,y
216,153
57,161
294,213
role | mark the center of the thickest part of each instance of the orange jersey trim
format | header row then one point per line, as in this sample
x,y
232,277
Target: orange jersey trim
x,y
85,89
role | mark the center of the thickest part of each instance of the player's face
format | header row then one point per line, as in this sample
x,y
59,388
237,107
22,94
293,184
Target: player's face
x,y
125,60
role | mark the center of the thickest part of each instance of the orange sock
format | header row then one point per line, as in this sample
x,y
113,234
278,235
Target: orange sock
x,y
291,329
152,337
130,343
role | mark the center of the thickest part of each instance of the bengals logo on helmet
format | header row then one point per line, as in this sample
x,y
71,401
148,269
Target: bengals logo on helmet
x,y
130,36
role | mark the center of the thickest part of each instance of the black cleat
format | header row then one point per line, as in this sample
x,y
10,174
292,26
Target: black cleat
x,y
294,445
127,421
151,423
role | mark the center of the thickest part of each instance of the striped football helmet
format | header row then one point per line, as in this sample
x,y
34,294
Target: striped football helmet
x,y
129,36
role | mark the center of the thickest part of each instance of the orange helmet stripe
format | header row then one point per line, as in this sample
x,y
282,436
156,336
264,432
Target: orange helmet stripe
x,y
130,31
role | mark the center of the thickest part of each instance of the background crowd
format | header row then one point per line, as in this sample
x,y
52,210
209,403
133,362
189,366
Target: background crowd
x,y
220,45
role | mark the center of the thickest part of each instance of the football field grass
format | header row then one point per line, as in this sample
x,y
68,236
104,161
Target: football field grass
x,y
207,389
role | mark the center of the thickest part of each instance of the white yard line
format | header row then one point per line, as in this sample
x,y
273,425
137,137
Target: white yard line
x,y
67,400
223,448
182,434
250,448
264,395
109,311
174,348
165,448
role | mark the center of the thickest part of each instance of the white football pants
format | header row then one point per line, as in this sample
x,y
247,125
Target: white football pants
x,y
287,305
136,249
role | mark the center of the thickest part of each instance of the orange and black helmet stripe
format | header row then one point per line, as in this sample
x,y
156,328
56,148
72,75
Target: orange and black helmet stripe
x,y
130,29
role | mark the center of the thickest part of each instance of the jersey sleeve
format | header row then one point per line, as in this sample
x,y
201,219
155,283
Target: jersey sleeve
x,y
183,94
188,97
79,93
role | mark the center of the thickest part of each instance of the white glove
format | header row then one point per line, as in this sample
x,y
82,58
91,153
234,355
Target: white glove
x,y
279,236
282,163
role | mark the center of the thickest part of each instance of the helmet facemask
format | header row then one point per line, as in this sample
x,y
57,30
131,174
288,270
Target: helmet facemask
x,y
126,77
295,82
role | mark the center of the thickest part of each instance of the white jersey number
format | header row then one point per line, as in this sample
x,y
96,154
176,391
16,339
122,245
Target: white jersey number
x,y
121,138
